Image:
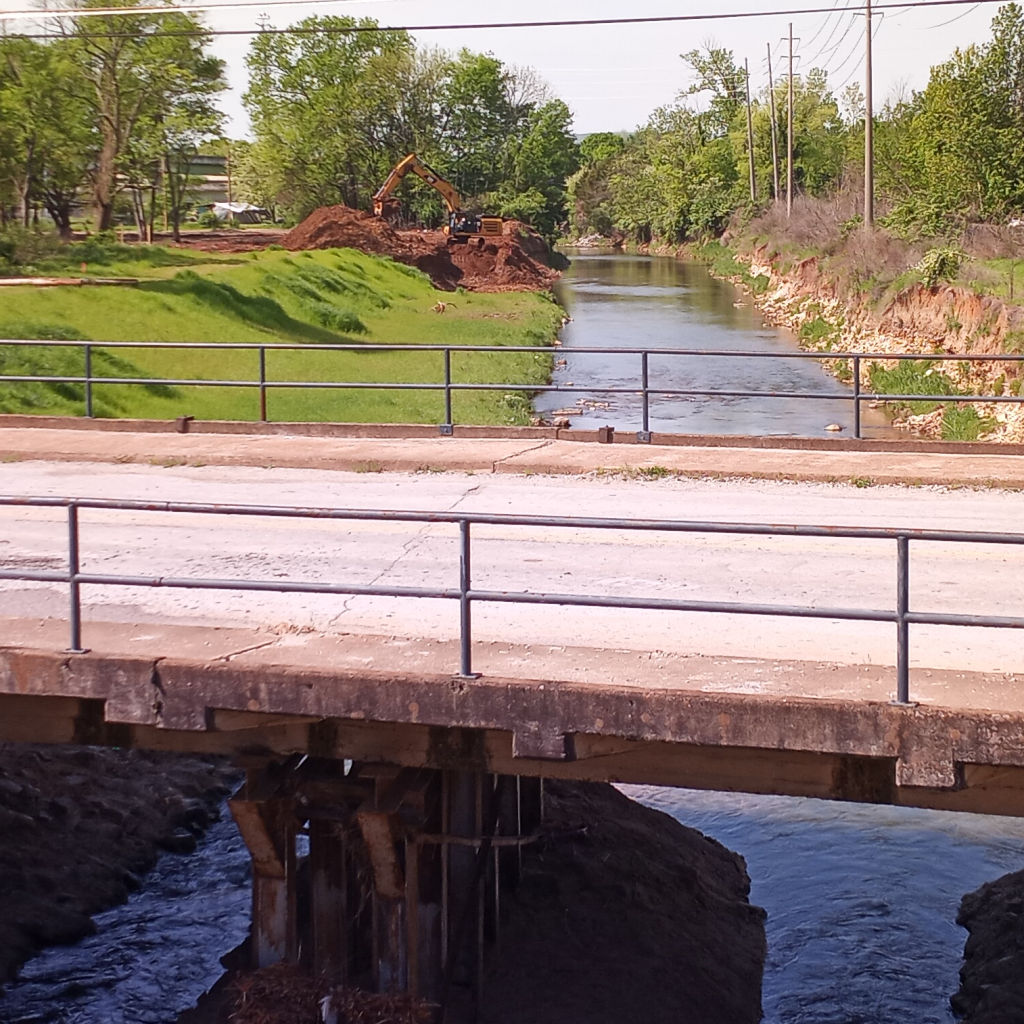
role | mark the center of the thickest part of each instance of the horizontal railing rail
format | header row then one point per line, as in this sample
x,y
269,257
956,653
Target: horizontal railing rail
x,y
447,385
900,614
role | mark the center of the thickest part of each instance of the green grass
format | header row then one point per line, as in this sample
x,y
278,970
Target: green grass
x,y
724,264
273,297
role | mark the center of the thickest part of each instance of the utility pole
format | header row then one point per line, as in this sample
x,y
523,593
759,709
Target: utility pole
x,y
775,143
750,134
869,128
789,131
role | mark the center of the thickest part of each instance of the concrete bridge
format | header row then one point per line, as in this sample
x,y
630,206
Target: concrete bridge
x,y
383,751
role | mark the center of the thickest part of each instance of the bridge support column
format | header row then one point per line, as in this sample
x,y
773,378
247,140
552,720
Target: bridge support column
x,y
401,889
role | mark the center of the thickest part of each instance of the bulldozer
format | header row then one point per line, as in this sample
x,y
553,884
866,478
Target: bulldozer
x,y
462,225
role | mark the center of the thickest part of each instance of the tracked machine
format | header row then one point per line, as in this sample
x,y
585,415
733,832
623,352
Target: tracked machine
x,y
462,226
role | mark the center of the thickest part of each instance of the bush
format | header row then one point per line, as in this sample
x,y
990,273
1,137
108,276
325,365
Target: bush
x,y
941,264
963,423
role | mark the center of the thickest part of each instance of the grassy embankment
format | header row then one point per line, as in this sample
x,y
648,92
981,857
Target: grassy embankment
x,y
867,271
272,297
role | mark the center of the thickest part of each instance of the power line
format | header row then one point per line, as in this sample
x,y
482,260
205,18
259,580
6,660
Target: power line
x,y
103,12
943,24
874,35
821,27
467,26
828,50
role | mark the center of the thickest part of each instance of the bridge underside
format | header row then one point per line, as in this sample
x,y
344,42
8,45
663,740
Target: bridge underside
x,y
865,751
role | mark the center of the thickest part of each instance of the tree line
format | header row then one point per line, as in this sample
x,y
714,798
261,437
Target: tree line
x,y
117,106
946,156
114,108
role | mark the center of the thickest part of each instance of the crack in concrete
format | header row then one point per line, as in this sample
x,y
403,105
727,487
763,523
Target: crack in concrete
x,y
247,650
525,451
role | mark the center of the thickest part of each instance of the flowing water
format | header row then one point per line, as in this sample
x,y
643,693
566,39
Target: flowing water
x,y
657,303
861,900
151,957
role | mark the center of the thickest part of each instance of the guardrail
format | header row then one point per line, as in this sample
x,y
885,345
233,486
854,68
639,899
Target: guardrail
x,y
901,614
263,383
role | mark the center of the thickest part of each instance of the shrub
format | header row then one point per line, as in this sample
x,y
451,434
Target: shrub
x,y
941,264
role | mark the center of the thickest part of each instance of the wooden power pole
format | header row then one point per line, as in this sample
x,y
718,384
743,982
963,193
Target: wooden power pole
x,y
869,128
750,135
789,131
775,142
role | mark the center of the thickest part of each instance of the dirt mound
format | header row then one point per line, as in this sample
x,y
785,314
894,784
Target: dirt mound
x,y
336,227
514,262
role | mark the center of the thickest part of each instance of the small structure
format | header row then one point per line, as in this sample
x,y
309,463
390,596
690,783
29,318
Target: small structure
x,y
239,213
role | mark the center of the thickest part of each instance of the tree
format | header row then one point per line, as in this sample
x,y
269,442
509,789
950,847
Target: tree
x,y
325,108
140,69
543,161
958,153
46,138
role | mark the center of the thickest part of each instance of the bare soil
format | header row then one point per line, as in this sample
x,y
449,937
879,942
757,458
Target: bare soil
x,y
517,261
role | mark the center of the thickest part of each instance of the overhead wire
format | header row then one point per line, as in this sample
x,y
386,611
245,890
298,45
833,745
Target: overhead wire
x,y
825,46
943,24
874,35
47,13
821,27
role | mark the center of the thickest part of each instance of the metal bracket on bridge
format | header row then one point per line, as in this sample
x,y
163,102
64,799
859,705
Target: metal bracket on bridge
x,y
445,429
643,436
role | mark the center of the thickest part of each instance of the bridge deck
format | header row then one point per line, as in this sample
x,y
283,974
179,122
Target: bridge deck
x,y
802,728
798,728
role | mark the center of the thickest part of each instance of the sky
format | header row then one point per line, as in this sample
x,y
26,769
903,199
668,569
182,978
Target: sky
x,y
613,76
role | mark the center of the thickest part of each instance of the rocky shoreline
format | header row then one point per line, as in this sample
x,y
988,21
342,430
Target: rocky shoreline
x,y
79,826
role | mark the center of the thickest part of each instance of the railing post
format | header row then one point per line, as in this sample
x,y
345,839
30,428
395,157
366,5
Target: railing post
x,y
465,609
644,433
902,626
447,428
75,610
856,397
263,383
88,381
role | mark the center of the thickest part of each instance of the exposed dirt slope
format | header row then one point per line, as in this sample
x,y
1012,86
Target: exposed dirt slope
x,y
514,262
635,918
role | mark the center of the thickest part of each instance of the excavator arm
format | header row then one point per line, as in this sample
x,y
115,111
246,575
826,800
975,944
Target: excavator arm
x,y
414,164
461,225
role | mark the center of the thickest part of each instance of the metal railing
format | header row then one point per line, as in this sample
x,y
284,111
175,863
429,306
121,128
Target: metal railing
x,y
263,383
901,614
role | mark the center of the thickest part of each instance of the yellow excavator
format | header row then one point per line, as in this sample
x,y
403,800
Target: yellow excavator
x,y
461,227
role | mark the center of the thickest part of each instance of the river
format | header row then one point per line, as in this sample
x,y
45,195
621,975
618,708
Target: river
x,y
621,301
861,900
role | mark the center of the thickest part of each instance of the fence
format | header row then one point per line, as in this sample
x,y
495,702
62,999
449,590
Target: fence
x,y
901,614
263,383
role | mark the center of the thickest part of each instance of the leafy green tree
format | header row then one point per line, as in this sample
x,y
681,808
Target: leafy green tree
x,y
324,104
543,161
46,137
956,152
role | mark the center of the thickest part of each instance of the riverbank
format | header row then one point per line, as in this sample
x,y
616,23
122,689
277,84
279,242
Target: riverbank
x,y
841,290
